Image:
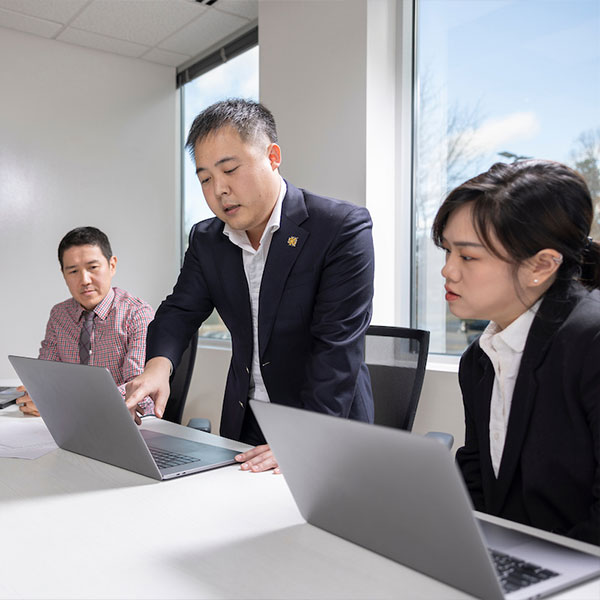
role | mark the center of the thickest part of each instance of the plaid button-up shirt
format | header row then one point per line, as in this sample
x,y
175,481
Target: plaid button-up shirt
x,y
118,340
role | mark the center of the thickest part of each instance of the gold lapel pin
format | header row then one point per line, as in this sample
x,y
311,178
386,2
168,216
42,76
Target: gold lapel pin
x,y
292,241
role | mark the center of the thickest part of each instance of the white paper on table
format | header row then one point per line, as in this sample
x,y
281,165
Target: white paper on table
x,y
26,437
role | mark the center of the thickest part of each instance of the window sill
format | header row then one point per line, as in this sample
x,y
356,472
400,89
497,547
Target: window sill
x,y
207,343
443,363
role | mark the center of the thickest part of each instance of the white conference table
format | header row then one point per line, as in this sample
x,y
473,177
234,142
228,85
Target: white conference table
x,y
72,527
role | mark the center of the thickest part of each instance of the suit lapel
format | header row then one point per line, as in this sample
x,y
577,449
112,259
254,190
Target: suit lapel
x,y
481,409
286,246
233,280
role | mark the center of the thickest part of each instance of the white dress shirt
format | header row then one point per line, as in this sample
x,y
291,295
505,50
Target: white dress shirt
x,y
504,348
254,265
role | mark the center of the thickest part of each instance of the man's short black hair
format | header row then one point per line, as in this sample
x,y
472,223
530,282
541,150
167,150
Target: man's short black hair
x,y
84,236
247,117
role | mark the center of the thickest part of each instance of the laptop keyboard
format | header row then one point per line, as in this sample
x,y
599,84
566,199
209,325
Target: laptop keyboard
x,y
165,459
515,573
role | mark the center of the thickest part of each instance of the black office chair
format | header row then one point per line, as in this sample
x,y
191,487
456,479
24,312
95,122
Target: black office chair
x,y
180,383
396,358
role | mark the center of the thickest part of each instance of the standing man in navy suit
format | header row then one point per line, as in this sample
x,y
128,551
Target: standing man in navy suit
x,y
290,273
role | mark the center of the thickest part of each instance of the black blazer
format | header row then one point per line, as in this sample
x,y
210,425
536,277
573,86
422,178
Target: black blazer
x,y
549,476
314,308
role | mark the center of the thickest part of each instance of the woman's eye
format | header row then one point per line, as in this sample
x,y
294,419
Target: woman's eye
x,y
467,258
228,172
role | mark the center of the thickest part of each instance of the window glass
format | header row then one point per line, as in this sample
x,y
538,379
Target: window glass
x,y
237,78
496,81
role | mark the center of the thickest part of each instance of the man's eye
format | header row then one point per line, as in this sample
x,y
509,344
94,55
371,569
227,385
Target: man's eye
x,y
229,171
204,180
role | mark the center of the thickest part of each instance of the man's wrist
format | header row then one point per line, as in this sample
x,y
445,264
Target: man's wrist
x,y
160,363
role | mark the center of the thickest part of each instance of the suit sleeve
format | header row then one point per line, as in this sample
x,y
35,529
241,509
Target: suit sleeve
x,y
182,312
589,530
467,457
340,318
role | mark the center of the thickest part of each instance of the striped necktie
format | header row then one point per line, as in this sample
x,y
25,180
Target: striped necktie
x,y
85,339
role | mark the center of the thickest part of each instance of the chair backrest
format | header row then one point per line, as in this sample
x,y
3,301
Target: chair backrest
x,y
180,383
396,358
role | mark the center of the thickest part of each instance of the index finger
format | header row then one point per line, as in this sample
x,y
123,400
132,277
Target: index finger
x,y
132,399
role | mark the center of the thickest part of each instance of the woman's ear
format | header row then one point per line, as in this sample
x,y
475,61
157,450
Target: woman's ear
x,y
542,268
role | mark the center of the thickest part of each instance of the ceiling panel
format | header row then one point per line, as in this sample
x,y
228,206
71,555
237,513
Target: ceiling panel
x,y
39,27
60,11
101,42
211,27
242,8
165,57
141,21
168,32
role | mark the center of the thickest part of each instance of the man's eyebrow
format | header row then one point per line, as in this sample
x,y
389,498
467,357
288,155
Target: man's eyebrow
x,y
219,162
90,262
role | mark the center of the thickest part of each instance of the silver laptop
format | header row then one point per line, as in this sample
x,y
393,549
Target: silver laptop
x,y
401,495
85,413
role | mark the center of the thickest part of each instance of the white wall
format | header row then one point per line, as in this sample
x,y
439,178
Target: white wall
x,y
87,138
312,77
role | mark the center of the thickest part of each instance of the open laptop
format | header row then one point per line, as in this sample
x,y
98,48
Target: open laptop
x,y
401,495
85,413
8,396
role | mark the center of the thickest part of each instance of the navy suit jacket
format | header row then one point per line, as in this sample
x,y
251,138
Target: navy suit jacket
x,y
314,308
549,475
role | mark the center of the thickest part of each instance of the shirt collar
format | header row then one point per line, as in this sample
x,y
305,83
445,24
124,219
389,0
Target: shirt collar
x,y
240,238
102,309
515,335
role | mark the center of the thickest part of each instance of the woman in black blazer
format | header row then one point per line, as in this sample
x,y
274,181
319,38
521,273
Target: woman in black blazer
x,y
518,253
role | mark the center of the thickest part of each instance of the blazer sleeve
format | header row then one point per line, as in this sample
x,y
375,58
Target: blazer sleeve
x,y
341,315
183,311
468,457
589,529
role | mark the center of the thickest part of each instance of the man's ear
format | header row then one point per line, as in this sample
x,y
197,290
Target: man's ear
x,y
543,266
112,263
274,155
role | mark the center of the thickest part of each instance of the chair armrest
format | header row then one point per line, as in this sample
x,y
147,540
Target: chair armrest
x,y
447,439
201,424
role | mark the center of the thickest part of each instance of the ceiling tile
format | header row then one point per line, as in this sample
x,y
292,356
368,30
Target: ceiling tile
x,y
202,33
59,11
41,27
164,57
140,21
242,8
101,42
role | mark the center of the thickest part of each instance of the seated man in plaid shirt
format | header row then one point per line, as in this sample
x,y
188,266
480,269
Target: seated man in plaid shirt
x,y
99,325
